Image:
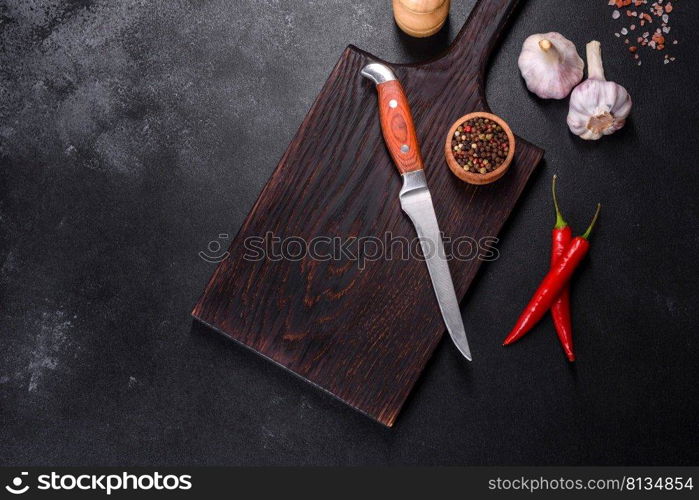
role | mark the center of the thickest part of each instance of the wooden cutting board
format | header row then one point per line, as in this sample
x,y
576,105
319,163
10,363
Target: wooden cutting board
x,y
363,333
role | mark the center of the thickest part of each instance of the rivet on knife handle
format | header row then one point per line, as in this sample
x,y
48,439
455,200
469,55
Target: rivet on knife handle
x,y
396,119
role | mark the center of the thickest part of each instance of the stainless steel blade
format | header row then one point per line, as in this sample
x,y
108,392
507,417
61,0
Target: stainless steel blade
x,y
416,201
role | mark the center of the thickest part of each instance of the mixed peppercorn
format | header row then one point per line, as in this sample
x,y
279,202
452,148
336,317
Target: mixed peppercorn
x,y
480,145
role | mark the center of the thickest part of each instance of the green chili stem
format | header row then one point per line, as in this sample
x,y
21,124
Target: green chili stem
x,y
592,224
560,221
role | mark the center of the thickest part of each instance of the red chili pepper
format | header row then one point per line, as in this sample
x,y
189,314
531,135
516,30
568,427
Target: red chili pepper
x,y
552,284
560,310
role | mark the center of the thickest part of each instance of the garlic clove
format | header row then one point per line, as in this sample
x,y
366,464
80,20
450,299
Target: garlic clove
x,y
597,107
550,65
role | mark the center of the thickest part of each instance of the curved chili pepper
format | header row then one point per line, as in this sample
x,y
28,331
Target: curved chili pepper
x,y
560,310
552,284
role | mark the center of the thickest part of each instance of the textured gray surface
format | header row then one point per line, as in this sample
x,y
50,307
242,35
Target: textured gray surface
x,y
134,133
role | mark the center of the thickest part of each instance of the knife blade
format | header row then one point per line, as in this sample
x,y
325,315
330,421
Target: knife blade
x,y
399,134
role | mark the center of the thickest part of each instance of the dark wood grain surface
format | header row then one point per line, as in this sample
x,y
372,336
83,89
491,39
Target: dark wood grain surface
x,y
364,334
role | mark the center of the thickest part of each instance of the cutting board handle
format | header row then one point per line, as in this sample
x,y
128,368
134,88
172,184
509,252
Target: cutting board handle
x,y
471,49
482,29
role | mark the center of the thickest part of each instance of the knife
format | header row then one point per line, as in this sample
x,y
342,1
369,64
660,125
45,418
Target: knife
x,y
415,199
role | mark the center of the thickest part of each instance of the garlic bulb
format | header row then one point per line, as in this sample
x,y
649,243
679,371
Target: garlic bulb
x,y
597,107
550,65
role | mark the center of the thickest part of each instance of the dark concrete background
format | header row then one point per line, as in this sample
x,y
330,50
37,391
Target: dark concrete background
x,y
133,133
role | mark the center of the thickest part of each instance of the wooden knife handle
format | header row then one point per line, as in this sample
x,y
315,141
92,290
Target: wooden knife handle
x,y
396,120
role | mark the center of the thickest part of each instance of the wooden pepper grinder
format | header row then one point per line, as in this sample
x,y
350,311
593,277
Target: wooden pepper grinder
x,y
420,18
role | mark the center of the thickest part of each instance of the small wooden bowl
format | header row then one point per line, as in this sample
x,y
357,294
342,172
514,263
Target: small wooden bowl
x,y
476,178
